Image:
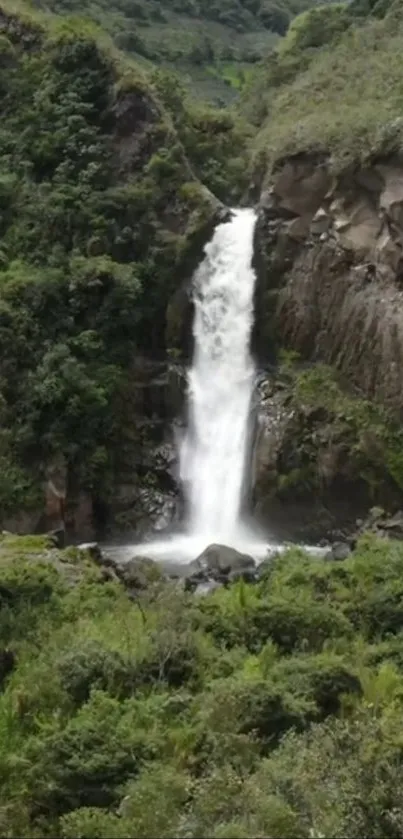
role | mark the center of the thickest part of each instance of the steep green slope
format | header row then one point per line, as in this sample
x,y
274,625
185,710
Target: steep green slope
x,y
213,45
101,218
334,86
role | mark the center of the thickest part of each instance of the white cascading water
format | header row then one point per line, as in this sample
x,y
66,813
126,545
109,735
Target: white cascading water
x,y
213,451
220,384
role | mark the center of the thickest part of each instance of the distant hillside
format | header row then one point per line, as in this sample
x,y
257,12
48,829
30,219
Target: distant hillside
x,y
333,86
214,45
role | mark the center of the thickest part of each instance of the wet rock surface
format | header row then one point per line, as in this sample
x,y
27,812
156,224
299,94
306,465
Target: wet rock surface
x,y
144,498
221,565
322,455
306,485
217,565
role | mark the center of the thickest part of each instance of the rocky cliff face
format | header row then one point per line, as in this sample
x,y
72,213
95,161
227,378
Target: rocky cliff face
x,y
330,263
330,287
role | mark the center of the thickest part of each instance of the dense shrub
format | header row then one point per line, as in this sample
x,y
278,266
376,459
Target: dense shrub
x,y
131,718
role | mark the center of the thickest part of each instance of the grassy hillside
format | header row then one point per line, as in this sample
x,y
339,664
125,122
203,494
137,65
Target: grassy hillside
x,y
213,45
334,85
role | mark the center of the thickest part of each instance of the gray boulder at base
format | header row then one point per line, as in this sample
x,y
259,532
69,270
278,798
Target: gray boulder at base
x,y
218,561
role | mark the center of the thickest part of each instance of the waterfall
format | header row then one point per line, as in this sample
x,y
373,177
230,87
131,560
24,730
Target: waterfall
x,y
213,452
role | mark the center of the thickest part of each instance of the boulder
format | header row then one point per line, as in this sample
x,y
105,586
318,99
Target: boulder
x,y
218,562
358,226
300,186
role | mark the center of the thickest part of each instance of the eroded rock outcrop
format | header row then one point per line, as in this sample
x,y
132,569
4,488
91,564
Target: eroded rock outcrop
x,y
330,265
322,456
144,491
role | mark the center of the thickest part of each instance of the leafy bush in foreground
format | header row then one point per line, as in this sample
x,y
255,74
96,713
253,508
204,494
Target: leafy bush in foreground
x,y
184,716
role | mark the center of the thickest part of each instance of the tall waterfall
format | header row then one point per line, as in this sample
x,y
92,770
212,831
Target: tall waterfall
x,y
220,383
213,451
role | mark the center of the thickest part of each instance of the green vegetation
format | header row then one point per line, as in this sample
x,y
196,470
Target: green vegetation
x,y
215,140
101,218
357,439
211,44
333,86
271,709
267,709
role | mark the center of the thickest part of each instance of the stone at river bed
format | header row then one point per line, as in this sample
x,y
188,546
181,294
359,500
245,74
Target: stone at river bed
x,y
220,563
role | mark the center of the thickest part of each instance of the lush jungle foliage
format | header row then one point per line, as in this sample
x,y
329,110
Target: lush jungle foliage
x,y
265,710
101,215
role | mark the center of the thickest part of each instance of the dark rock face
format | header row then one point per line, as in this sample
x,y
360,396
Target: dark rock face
x,y
145,493
289,456
7,664
310,468
328,259
382,525
328,256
